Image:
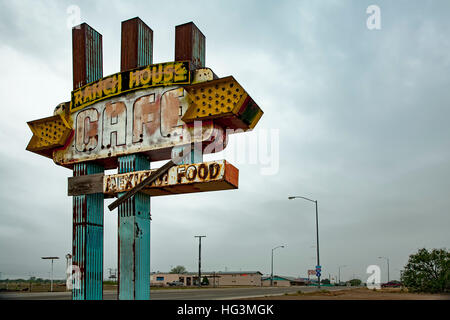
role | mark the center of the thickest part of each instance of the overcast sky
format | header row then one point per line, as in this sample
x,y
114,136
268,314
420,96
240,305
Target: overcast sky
x,y
361,115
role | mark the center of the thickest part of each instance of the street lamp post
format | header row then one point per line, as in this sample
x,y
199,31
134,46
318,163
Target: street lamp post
x,y
271,273
387,259
199,259
340,273
51,281
317,231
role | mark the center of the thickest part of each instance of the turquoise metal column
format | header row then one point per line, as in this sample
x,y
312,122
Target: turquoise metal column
x,y
87,245
134,237
195,156
134,214
87,237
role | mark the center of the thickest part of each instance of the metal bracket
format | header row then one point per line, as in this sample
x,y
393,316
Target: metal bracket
x,y
158,173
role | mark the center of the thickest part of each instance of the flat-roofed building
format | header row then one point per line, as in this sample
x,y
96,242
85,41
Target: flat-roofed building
x,y
283,281
238,278
215,279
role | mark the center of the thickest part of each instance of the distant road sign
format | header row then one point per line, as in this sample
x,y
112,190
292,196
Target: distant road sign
x,y
318,274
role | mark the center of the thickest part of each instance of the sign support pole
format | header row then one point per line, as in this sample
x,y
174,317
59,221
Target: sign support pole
x,y
134,237
134,215
190,44
87,238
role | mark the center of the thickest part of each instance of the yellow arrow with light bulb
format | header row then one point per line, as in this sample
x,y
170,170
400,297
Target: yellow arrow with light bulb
x,y
223,100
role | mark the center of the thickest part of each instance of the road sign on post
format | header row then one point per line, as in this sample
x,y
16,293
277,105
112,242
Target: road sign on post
x,y
318,271
146,112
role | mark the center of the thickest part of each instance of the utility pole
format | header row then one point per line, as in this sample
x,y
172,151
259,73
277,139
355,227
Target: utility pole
x,y
30,285
387,259
199,259
340,273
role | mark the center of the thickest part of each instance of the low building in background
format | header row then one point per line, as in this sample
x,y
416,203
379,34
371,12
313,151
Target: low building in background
x,y
237,278
215,279
283,281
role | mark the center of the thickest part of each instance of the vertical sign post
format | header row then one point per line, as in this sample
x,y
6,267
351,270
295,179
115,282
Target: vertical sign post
x,y
87,237
134,214
190,46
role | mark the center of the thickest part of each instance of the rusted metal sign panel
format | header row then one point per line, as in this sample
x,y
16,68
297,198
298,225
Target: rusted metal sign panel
x,y
87,55
49,133
106,119
145,121
162,74
147,110
186,178
225,101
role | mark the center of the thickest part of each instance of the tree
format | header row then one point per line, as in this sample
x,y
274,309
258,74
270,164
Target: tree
x,y
428,271
355,282
205,281
325,281
178,269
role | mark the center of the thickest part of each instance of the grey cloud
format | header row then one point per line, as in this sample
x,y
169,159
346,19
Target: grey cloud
x,y
362,118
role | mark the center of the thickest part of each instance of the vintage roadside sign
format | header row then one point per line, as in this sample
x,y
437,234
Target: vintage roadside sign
x,y
175,111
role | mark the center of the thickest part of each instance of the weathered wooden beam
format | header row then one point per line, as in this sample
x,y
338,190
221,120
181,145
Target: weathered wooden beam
x,y
88,184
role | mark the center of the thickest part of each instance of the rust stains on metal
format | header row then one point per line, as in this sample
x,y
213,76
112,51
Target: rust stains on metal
x,y
187,178
136,44
147,121
162,74
144,117
190,45
87,55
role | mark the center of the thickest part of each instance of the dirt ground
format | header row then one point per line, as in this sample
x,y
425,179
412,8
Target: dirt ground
x,y
358,294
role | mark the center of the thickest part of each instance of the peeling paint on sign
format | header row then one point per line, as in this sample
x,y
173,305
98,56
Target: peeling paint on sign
x,y
162,74
206,176
145,121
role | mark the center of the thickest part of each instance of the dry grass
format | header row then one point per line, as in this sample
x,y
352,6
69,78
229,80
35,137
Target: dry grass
x,y
357,294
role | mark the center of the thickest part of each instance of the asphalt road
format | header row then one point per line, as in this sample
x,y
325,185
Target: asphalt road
x,y
176,294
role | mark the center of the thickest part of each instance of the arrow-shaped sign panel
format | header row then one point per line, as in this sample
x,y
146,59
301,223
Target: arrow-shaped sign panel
x,y
223,100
